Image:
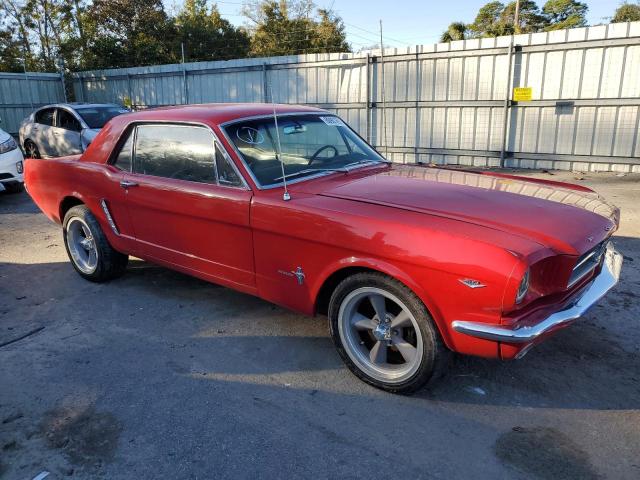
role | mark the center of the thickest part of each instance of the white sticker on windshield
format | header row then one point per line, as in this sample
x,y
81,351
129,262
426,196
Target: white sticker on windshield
x,y
333,121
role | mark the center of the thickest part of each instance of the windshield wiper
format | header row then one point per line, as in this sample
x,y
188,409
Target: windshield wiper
x,y
343,169
311,170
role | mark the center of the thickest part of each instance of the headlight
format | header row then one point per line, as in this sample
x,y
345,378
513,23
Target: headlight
x,y
523,288
8,146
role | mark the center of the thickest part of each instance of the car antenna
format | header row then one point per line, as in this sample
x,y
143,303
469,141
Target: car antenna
x,y
285,196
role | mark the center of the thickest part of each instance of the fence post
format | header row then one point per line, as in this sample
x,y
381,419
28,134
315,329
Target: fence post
x,y
265,85
367,94
507,106
26,77
129,92
417,132
64,88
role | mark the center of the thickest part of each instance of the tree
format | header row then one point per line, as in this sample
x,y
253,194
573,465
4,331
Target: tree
x,y
291,27
456,31
330,35
627,12
207,36
123,33
495,19
563,14
530,18
487,20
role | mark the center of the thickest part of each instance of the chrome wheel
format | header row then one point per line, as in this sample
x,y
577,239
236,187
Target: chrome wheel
x,y
82,245
380,334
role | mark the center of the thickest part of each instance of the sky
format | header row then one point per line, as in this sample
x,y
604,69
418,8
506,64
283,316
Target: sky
x,y
404,22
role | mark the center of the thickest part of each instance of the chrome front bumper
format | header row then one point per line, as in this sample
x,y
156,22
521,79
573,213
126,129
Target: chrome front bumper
x,y
583,301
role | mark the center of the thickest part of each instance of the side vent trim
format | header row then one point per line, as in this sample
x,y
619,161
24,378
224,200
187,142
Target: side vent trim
x,y
112,224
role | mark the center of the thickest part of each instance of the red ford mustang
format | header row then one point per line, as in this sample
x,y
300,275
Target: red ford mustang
x,y
408,262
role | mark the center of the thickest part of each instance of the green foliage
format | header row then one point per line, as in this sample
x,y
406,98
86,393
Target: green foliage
x,y
456,31
487,22
495,18
207,36
97,34
565,14
627,12
122,33
291,27
531,19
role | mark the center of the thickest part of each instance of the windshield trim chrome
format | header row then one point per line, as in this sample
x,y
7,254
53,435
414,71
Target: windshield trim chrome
x,y
321,173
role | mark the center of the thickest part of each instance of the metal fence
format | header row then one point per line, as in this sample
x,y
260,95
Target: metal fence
x,y
442,103
21,93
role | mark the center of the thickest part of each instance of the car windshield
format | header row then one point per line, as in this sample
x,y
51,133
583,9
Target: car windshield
x,y
96,117
310,144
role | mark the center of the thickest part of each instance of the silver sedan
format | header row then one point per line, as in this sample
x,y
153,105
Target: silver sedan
x,y
64,128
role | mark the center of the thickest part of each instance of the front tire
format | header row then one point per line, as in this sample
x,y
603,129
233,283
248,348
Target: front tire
x,y
88,248
384,333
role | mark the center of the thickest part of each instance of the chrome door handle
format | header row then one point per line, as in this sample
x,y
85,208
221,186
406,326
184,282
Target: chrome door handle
x,y
127,184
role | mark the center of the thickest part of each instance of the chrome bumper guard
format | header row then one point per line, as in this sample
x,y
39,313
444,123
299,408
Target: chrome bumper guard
x,y
589,296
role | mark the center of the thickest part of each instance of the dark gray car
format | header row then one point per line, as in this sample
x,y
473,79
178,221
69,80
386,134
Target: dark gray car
x,y
64,128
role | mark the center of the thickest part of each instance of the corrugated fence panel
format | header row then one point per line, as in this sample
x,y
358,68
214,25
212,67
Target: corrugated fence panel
x,y
20,94
442,103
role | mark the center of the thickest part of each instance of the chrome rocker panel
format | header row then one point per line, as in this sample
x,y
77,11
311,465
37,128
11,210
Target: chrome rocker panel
x,y
590,295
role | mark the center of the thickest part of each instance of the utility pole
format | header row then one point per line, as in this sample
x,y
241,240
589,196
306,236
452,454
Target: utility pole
x,y
516,18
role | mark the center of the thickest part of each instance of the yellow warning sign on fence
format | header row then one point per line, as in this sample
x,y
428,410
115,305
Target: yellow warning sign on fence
x,y
522,94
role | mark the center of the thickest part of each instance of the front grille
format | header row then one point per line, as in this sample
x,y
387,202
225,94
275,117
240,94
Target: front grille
x,y
586,263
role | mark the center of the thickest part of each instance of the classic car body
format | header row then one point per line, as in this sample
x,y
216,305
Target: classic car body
x,y
463,243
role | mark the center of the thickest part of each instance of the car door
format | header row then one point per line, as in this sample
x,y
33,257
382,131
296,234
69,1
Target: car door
x,y
66,134
186,212
42,131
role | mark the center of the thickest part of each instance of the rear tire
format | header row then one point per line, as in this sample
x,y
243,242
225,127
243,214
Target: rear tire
x,y
88,248
399,354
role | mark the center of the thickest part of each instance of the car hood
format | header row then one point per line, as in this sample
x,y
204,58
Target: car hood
x,y
569,219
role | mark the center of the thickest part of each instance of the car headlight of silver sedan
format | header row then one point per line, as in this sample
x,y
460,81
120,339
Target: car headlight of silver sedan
x,y
8,145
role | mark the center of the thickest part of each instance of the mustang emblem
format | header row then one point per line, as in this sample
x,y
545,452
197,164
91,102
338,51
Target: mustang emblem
x,y
471,283
298,273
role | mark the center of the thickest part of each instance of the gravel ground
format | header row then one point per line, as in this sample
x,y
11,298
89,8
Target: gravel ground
x,y
159,375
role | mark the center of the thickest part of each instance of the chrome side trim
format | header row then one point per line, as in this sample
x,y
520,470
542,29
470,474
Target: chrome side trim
x,y
107,213
583,301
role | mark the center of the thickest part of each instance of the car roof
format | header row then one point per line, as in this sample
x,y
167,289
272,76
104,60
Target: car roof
x,y
78,105
210,114
214,113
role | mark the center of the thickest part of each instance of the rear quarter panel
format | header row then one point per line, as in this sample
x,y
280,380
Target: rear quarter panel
x,y
50,181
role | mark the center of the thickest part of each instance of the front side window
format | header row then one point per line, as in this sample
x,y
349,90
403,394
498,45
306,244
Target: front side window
x,y
173,151
67,121
310,144
45,117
